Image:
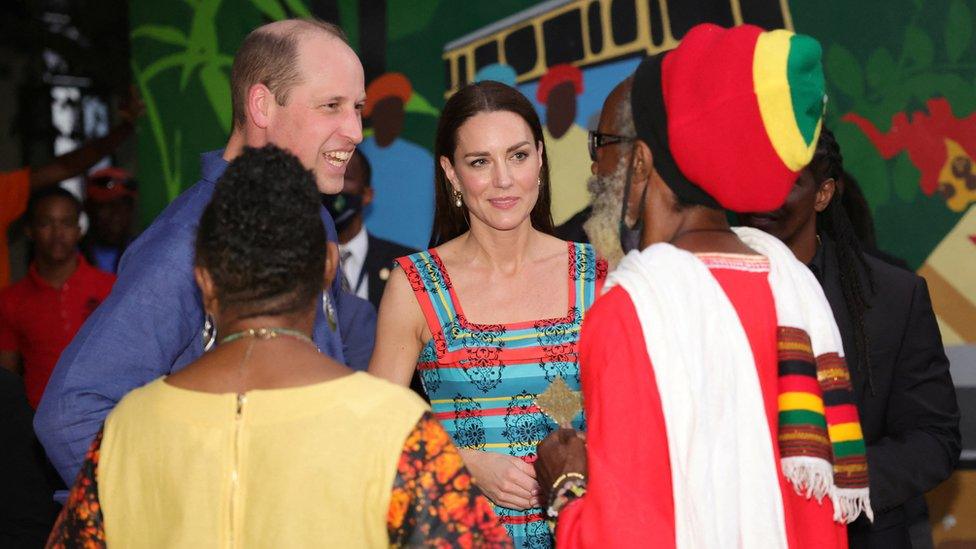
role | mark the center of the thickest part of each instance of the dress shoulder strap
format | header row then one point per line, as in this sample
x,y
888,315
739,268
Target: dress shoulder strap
x,y
431,286
587,272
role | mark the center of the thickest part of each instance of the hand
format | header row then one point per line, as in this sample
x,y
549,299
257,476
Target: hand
x,y
563,451
506,480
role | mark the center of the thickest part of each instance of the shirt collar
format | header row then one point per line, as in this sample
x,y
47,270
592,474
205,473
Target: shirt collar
x,y
212,165
358,245
81,267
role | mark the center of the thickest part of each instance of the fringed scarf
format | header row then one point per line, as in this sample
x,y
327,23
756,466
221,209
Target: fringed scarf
x,y
725,484
821,446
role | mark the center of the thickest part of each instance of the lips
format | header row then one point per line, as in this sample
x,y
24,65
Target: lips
x,y
505,202
337,158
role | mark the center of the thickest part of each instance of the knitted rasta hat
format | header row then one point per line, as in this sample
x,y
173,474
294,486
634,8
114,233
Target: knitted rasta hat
x,y
731,115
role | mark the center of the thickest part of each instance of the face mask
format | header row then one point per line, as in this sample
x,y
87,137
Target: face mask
x,y
343,207
630,236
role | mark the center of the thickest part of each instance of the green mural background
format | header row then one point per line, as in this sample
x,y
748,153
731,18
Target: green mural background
x,y
883,61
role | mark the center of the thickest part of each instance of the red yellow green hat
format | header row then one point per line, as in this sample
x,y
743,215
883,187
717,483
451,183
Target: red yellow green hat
x,y
734,113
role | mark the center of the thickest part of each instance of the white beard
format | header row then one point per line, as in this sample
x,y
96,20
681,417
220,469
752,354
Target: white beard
x,y
603,226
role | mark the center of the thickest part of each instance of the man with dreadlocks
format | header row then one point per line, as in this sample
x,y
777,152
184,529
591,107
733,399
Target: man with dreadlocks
x,y
899,371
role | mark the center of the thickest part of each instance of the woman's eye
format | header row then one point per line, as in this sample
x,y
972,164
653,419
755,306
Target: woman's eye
x,y
520,155
478,163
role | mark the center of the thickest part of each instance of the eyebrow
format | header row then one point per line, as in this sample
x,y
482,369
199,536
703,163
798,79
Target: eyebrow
x,y
510,149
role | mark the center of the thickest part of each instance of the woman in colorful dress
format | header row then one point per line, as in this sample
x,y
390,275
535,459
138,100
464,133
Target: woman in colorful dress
x,y
491,316
239,448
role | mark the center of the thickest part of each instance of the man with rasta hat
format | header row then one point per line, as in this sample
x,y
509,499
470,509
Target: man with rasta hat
x,y
718,402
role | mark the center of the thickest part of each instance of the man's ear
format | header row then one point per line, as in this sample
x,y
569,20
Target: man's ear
x,y
207,289
258,105
331,263
642,162
825,193
367,196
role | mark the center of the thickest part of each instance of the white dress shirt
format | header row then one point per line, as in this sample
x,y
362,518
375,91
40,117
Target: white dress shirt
x,y
353,254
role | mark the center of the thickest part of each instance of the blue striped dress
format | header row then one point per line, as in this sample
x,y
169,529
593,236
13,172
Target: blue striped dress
x,y
482,379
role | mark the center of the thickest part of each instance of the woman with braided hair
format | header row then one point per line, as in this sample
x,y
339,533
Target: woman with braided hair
x,y
899,370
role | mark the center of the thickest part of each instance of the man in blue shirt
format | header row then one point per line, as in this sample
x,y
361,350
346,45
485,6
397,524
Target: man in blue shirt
x,y
294,83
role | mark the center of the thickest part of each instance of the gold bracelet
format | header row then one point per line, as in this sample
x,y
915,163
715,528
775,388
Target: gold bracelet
x,y
565,476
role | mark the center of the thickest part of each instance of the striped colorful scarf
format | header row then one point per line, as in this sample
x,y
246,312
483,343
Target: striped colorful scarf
x,y
822,450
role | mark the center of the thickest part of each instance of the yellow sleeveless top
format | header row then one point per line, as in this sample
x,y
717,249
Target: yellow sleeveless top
x,y
298,467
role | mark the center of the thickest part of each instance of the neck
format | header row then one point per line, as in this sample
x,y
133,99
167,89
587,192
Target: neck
x,y
235,145
351,230
55,273
504,251
301,323
803,243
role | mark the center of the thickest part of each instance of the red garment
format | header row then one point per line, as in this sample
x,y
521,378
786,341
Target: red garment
x,y
629,500
38,320
14,192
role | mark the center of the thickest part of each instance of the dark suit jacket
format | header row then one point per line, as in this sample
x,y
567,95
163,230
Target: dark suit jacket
x,y
910,420
380,255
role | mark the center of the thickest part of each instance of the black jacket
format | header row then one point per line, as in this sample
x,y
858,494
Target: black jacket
x,y
380,256
911,419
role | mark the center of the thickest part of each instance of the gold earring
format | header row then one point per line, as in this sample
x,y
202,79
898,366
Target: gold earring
x,y
457,198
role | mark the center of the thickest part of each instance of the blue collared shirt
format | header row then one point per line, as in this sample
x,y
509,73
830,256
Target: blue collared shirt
x,y
149,326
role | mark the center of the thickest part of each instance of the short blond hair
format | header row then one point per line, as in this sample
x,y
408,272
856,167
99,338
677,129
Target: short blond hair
x,y
269,56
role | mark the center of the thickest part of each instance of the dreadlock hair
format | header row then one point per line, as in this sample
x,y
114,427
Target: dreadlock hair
x,y
856,279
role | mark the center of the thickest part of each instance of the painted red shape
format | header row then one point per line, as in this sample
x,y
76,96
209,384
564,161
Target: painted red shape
x,y
924,138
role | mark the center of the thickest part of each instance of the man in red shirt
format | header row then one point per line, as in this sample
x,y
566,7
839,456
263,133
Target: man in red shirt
x,y
41,314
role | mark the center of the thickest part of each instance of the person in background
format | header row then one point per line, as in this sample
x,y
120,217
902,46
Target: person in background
x,y
248,432
40,314
490,316
899,369
111,195
295,83
27,510
367,260
707,424
16,186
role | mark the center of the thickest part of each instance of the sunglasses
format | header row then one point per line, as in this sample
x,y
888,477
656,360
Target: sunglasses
x,y
598,140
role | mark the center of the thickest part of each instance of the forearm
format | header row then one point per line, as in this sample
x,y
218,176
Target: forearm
x,y
77,161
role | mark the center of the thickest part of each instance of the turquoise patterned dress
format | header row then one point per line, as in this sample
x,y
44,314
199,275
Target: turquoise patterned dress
x,y
482,379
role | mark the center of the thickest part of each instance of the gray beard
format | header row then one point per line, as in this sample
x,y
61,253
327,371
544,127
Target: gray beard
x,y
603,226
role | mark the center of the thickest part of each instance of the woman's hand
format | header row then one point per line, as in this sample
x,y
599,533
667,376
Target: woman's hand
x,y
506,480
563,451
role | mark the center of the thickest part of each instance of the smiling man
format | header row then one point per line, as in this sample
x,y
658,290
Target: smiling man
x,y
295,83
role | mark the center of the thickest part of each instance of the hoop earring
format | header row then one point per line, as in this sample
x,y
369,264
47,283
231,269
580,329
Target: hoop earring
x,y
209,332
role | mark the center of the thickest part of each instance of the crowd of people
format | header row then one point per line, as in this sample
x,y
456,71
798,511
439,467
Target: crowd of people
x,y
664,379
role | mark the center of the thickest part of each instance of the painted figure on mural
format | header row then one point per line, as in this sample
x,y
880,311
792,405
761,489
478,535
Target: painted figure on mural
x,y
403,172
558,91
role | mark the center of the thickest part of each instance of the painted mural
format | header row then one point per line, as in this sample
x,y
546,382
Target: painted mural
x,y
901,82
902,86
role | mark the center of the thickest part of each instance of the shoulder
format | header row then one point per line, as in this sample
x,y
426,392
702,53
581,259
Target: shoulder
x,y
892,283
610,311
13,295
587,262
385,402
136,403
